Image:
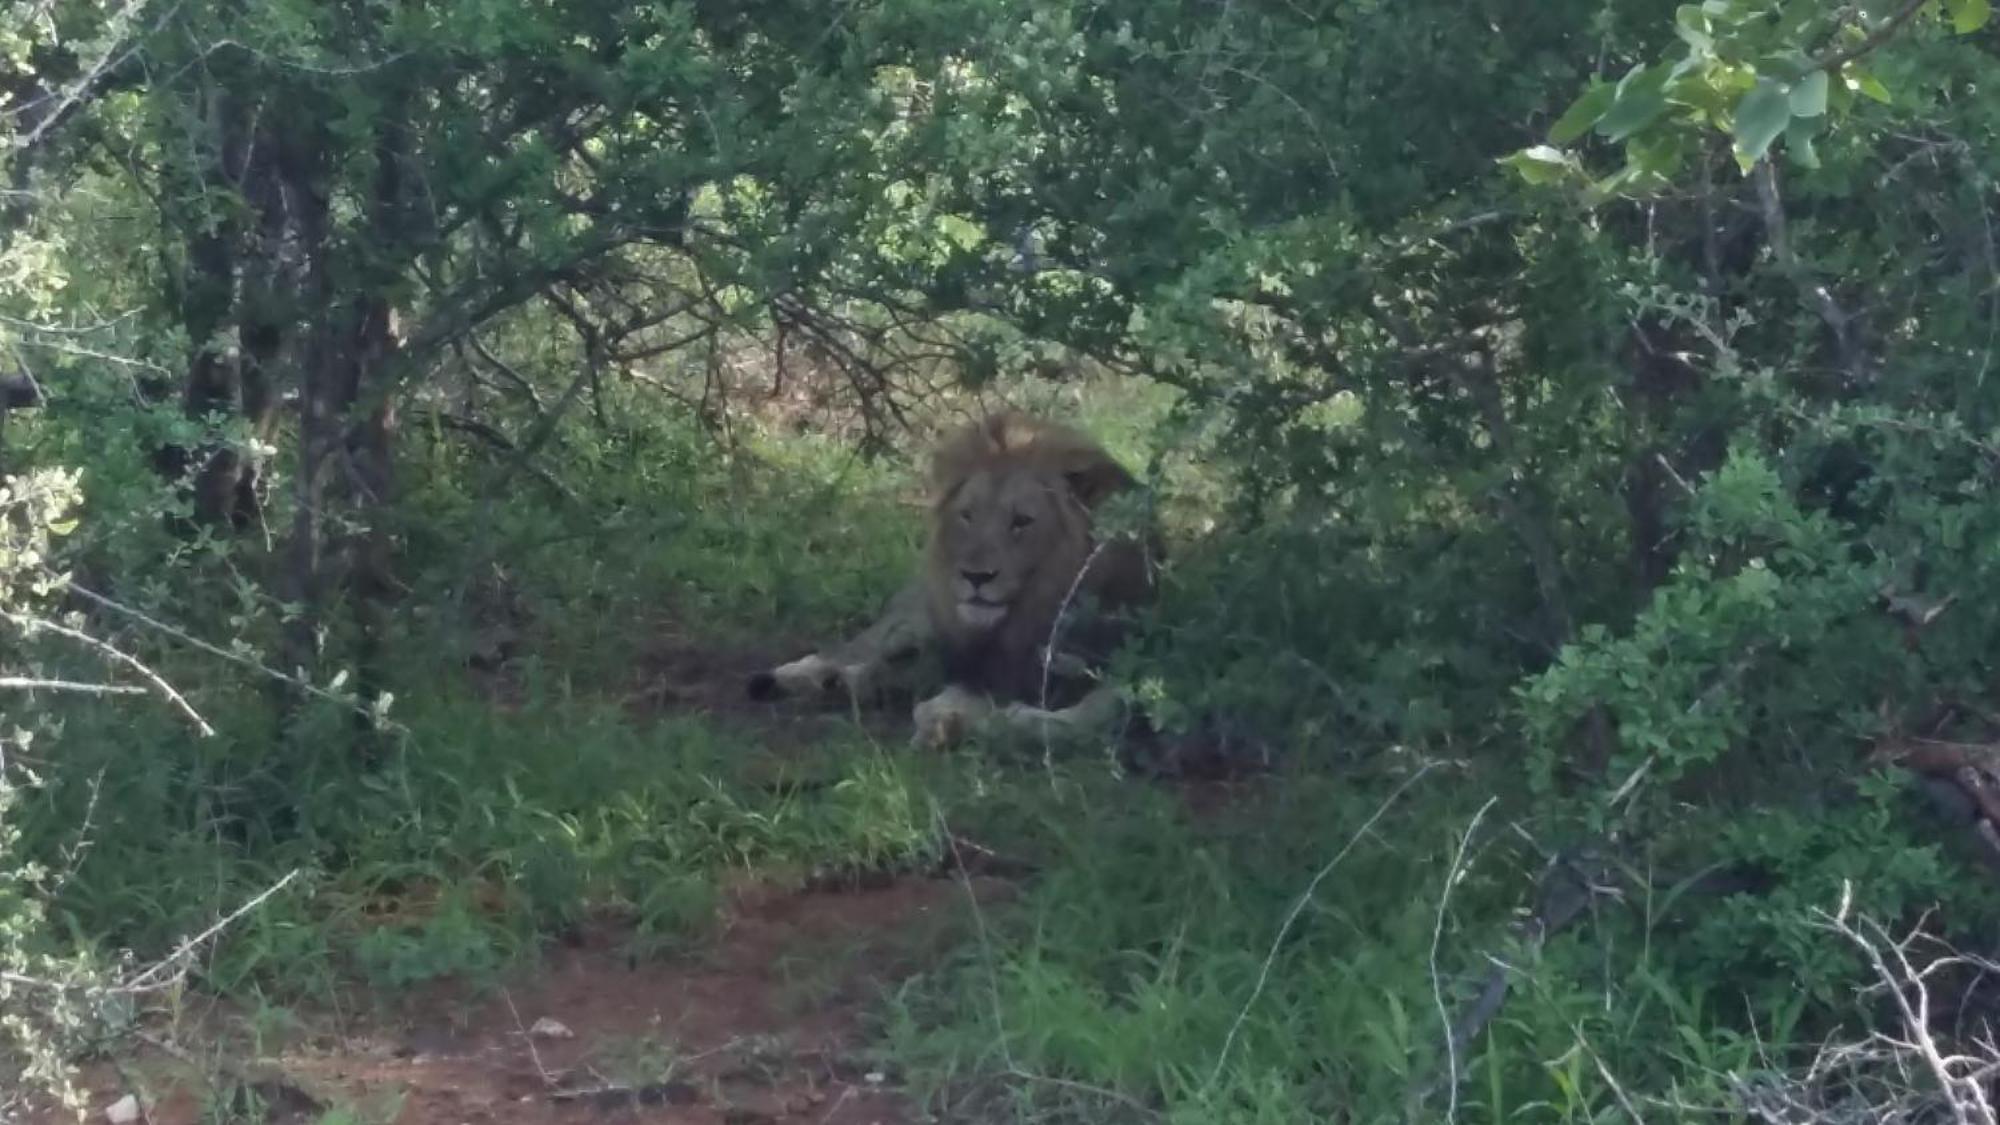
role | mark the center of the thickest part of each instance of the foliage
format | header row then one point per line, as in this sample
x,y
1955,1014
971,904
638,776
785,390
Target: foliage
x,y
43,1013
1634,446
1750,70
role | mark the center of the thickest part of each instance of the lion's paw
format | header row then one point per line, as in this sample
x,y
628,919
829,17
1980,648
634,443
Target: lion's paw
x,y
946,718
808,676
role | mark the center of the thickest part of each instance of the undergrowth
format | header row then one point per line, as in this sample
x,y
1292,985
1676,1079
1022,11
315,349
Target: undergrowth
x,y
1285,950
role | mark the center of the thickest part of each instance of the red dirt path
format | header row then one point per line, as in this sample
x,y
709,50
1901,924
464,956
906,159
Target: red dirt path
x,y
762,1028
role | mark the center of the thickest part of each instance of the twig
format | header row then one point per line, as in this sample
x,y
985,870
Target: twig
x,y
1264,973
233,657
147,978
1437,981
1964,1094
115,54
528,1037
166,690
30,683
152,977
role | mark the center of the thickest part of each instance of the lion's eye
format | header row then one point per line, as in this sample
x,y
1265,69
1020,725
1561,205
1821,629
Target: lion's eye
x,y
965,515
1021,523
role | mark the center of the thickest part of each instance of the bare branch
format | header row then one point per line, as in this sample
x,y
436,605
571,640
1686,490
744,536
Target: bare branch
x,y
30,683
233,657
32,625
155,974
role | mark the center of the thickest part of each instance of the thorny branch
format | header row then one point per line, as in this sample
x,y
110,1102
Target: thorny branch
x,y
32,625
236,658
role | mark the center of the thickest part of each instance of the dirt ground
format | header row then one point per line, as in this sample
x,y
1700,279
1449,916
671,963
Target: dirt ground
x,y
762,1027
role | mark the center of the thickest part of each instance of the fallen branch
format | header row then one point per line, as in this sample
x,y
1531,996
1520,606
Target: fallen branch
x,y
500,442
154,976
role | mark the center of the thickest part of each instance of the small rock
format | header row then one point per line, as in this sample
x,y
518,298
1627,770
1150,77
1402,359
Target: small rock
x,y
546,1028
874,1078
124,1111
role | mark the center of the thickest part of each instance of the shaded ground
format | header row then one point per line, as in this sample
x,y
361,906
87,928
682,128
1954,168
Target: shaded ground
x,y
762,1028
762,1025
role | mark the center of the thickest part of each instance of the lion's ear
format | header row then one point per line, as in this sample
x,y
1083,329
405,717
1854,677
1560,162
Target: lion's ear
x,y
1095,478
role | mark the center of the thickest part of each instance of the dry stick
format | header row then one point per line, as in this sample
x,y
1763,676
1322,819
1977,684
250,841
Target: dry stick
x,y
166,690
116,53
846,1093
1916,1018
150,979
1617,1090
1264,974
29,683
143,980
527,1036
1014,1069
1437,939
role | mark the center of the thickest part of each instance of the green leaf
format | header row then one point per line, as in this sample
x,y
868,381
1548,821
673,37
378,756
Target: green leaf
x,y
1541,164
1641,99
1799,141
1968,16
1610,186
1760,117
1583,113
1866,84
1692,25
1808,98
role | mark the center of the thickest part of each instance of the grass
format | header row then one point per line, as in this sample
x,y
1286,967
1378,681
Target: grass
x,y
1155,936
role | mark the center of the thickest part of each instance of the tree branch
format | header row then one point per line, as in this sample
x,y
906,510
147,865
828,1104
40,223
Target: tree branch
x,y
1837,320
32,625
1885,31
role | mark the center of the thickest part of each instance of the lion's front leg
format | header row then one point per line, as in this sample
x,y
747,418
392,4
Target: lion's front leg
x,y
948,717
1093,718
861,666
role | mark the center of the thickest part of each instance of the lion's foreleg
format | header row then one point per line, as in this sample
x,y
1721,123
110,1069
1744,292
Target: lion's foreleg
x,y
954,713
1096,716
862,665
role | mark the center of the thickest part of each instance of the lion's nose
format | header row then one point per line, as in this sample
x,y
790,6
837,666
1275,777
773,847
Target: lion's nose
x,y
978,578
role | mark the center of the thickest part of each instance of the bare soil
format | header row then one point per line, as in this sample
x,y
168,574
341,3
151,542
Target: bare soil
x,y
764,1027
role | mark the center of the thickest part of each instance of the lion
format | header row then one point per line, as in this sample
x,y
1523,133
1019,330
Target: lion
x,y
1018,597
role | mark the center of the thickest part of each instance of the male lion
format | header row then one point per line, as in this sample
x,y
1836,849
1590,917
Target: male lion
x,y
1014,566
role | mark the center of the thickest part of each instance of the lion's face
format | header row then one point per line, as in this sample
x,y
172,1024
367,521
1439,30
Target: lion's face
x,y
1002,535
